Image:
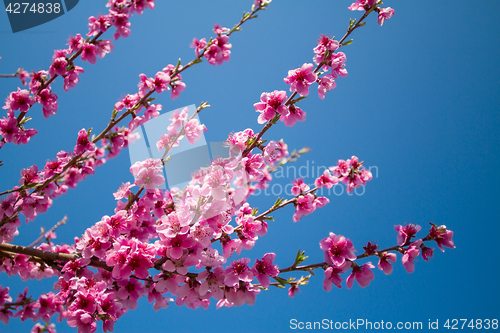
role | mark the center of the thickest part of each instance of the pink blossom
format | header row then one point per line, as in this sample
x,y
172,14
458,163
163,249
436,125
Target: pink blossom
x,y
172,225
33,205
127,102
299,187
9,130
120,21
427,252
178,119
269,104
184,262
325,84
175,80
103,47
337,249
177,87
49,102
237,141
295,114
140,5
332,275
326,43
213,281
72,78
5,314
82,143
83,321
21,100
305,206
410,254
384,14
271,152
60,54
48,305
323,52
442,236
152,111
145,85
118,260
218,51
211,258
252,167
238,271
363,275
360,4
23,76
176,246
193,130
84,300
293,290
245,293
263,269
4,295
220,30
75,43
406,233
149,177
166,142
326,180
384,262
337,63
198,45
99,24
160,82
58,67
123,191
39,328
140,263
342,169
299,79
37,79
89,53
320,202
250,227
108,306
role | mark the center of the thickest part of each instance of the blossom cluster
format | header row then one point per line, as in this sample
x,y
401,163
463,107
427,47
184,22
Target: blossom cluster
x,y
340,254
88,49
383,13
216,51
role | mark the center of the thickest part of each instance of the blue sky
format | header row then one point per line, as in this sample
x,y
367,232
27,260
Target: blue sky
x,y
420,104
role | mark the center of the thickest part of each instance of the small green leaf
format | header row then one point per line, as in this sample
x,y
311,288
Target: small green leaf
x,y
278,202
300,258
25,120
280,280
349,42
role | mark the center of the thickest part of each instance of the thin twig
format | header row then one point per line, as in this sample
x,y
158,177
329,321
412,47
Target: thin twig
x,y
42,236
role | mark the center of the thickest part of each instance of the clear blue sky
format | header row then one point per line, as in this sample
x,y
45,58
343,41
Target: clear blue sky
x,y
421,103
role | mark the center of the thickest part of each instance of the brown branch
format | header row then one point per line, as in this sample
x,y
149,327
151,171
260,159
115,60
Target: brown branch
x,y
50,256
